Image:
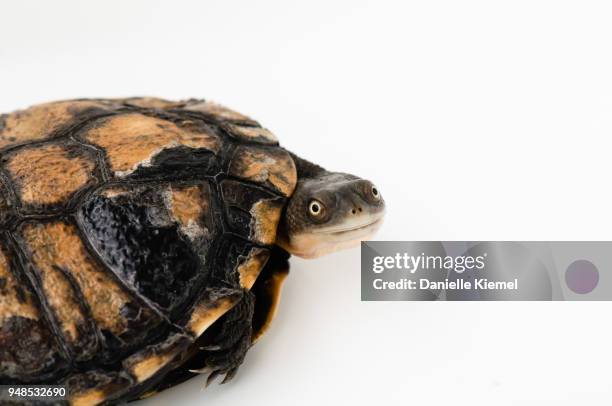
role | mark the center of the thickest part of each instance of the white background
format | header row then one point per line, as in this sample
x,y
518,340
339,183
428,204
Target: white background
x,y
478,120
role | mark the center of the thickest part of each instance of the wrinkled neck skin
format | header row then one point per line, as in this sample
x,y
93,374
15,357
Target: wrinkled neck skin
x,y
328,212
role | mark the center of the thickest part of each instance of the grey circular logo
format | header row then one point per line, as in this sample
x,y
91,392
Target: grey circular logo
x,y
582,276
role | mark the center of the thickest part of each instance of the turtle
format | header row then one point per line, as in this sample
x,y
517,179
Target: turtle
x,y
145,241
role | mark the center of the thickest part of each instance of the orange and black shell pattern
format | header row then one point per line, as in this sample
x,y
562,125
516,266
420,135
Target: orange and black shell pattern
x,y
127,228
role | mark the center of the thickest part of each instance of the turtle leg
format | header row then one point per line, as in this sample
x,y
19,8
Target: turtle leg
x,y
242,326
249,320
230,342
222,348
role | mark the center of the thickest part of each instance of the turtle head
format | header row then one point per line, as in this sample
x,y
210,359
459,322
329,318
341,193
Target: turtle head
x,y
329,212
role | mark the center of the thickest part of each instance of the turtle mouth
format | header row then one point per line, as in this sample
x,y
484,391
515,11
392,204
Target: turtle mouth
x,y
349,233
353,227
353,230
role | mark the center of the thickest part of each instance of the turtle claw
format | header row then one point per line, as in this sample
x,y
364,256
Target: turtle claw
x,y
212,377
229,375
204,371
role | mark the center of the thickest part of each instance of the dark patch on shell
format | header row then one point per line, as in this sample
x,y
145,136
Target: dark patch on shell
x,y
182,162
153,258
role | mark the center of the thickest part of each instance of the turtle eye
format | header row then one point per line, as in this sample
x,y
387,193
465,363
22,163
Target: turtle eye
x,y
315,208
375,193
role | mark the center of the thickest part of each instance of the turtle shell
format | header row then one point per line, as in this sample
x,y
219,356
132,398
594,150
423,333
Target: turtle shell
x,y
127,227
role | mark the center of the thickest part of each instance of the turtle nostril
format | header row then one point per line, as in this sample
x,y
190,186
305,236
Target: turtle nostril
x,y
353,211
356,209
360,209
